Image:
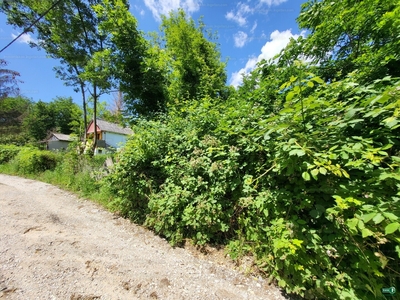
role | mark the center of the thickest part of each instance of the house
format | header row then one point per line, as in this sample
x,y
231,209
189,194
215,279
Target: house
x,y
58,141
109,135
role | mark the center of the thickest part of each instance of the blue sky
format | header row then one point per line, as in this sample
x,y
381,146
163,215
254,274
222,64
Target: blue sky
x,y
247,31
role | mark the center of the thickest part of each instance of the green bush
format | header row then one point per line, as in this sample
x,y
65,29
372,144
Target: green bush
x,y
21,139
309,187
8,152
31,160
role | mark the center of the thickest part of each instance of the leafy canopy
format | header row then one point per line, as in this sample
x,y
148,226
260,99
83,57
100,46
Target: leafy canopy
x,y
352,35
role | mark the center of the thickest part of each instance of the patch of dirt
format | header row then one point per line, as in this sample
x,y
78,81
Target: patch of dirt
x,y
54,245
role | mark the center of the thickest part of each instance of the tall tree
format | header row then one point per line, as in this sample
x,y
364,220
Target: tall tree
x,y
8,81
362,35
40,121
61,115
137,65
70,33
13,111
196,67
67,115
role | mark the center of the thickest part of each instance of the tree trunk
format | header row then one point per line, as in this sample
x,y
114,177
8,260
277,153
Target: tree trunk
x,y
84,110
94,117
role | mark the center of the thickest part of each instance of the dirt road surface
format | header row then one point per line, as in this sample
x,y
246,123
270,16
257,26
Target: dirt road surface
x,y
56,246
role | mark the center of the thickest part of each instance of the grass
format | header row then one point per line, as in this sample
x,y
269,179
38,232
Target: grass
x,y
79,174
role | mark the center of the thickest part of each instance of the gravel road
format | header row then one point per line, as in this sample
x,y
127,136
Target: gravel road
x,y
54,245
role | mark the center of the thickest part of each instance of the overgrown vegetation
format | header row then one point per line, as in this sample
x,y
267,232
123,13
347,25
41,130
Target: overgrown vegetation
x,y
67,169
298,167
311,191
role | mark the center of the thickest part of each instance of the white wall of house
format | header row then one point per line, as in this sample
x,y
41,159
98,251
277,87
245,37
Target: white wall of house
x,y
115,140
57,145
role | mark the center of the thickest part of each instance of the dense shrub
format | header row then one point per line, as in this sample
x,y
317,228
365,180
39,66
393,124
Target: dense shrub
x,y
8,152
323,219
31,160
310,187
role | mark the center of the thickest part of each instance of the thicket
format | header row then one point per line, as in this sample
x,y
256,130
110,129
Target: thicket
x,y
309,186
299,167
8,152
13,111
32,161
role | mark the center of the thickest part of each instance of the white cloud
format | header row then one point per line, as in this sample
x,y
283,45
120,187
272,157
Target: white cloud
x,y
240,16
139,10
254,27
163,7
240,39
25,38
278,41
237,77
272,2
236,18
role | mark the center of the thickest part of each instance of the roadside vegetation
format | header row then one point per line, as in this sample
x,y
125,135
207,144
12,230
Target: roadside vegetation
x,y
298,167
81,174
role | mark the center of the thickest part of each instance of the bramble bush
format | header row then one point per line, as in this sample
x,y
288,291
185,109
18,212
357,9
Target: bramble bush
x,y
323,220
310,187
8,152
31,160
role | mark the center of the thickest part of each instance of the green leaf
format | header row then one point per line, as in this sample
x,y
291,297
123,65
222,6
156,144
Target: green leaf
x,y
322,170
315,214
398,250
310,84
390,216
284,86
388,146
297,152
361,225
378,218
301,222
314,173
390,122
282,283
345,174
368,217
290,96
352,223
318,80
350,113
365,232
392,227
293,78
306,176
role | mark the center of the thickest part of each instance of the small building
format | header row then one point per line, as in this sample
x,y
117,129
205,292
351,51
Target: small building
x,y
58,141
109,135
